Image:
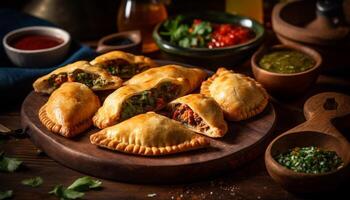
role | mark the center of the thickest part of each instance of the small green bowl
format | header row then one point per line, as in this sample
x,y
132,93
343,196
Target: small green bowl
x,y
218,56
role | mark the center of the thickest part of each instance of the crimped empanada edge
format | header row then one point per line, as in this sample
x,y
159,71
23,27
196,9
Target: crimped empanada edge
x,y
102,122
240,116
206,84
246,114
62,130
100,139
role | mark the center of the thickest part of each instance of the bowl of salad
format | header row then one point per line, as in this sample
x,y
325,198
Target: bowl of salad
x,y
211,38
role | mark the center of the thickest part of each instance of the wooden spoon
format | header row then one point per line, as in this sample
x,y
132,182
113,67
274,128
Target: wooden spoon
x,y
318,131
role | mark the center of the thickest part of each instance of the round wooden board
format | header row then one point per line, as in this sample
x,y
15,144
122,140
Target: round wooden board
x,y
244,142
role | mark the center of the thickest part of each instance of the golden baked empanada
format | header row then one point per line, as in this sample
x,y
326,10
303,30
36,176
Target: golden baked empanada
x,y
199,113
123,65
81,71
69,109
148,134
131,100
192,77
239,96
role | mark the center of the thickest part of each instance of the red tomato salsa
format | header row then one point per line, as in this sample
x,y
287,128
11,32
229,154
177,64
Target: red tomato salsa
x,y
35,42
227,34
204,34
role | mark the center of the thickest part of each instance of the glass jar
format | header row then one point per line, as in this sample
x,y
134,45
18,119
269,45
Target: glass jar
x,y
252,8
142,15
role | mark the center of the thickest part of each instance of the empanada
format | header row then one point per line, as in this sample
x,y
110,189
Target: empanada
x,y
149,134
192,77
81,71
69,109
239,96
131,100
123,65
199,113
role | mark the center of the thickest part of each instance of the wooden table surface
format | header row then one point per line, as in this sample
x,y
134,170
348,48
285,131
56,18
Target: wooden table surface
x,y
250,181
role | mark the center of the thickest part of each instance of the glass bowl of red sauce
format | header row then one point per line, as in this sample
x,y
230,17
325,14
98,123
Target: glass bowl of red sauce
x,y
36,46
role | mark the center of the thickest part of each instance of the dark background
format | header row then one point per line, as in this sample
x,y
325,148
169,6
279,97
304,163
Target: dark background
x,y
90,20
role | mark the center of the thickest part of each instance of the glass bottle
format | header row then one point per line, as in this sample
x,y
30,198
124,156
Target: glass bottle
x,y
251,8
142,15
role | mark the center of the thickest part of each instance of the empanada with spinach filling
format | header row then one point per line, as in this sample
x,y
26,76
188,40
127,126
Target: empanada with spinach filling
x,y
239,96
69,109
200,114
131,100
123,65
81,71
192,77
149,134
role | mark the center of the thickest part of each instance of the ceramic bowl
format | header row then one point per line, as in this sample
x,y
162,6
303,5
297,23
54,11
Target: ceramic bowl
x,y
129,41
293,28
286,85
37,58
218,56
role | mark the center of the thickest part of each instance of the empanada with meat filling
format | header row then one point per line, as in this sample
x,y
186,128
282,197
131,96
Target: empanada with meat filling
x,y
122,64
192,77
199,113
149,134
69,109
81,71
131,100
239,96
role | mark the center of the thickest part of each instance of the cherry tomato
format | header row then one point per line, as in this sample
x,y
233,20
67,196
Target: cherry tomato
x,y
227,35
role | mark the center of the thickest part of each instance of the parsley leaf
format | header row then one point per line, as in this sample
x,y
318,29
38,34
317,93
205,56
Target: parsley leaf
x,y
33,182
72,194
76,189
8,164
172,25
66,194
85,183
179,32
57,190
6,194
185,42
202,28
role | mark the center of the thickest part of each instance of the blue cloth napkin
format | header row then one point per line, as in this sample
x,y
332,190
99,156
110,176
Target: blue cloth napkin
x,y
18,79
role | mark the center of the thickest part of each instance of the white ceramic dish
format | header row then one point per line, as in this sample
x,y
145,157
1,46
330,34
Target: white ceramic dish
x,y
37,58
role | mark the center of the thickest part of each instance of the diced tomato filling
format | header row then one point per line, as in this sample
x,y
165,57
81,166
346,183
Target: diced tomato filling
x,y
185,115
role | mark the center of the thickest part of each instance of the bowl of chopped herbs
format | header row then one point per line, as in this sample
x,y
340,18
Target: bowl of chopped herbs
x,y
308,161
212,38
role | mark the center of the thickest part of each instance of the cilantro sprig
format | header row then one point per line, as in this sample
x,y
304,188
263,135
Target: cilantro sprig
x,y
76,189
8,164
33,182
310,160
196,35
6,194
66,194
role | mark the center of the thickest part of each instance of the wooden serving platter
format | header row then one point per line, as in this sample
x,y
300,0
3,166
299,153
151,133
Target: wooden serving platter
x,y
244,142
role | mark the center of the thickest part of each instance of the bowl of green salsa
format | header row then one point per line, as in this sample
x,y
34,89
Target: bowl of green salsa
x,y
286,61
286,70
